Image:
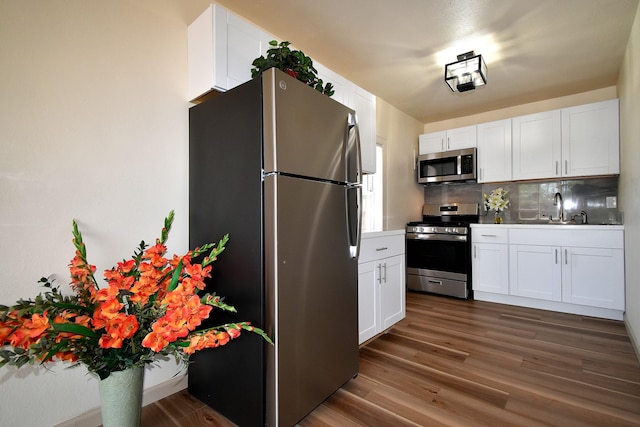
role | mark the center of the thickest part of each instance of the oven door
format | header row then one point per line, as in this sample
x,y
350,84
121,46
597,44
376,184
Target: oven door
x,y
439,263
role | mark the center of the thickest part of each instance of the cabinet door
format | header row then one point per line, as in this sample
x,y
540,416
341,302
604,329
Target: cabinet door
x,y
368,301
590,139
494,151
221,49
245,42
342,87
432,142
535,272
593,277
537,145
392,290
490,268
459,138
364,103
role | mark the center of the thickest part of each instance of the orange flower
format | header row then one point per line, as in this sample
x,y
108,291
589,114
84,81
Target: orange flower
x,y
223,338
123,326
107,341
66,356
117,279
109,309
36,325
154,341
107,294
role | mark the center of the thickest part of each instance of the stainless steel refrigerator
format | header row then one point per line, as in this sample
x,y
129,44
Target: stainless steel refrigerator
x,y
276,164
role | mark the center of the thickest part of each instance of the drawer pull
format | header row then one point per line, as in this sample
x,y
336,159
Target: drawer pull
x,y
381,249
489,235
435,282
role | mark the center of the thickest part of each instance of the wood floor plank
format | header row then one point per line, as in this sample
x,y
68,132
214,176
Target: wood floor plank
x,y
454,362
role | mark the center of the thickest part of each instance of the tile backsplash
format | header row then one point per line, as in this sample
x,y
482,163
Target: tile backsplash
x,y
533,201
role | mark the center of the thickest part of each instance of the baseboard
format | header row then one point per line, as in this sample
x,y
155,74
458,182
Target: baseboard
x,y
632,336
150,395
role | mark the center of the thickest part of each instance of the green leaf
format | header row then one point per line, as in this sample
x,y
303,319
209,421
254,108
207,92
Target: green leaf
x,y
175,277
75,329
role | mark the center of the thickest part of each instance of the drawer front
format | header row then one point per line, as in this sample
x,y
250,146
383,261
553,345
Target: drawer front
x,y
381,247
563,237
490,235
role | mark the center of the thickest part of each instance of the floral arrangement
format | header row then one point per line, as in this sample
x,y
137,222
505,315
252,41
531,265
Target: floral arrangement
x,y
149,308
496,200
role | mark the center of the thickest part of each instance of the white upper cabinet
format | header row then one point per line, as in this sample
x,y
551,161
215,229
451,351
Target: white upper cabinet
x,y
571,142
590,139
537,145
452,139
494,151
432,142
221,49
364,104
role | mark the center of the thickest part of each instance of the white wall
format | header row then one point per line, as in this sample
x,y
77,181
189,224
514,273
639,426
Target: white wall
x,y
93,126
398,134
629,192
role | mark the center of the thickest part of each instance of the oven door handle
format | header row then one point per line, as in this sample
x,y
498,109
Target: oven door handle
x,y
437,237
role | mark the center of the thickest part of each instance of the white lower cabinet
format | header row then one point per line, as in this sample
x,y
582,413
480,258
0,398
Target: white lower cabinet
x,y
490,260
593,277
535,272
575,270
381,284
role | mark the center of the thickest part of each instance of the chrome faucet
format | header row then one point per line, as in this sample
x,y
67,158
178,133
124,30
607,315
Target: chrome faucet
x,y
557,201
583,214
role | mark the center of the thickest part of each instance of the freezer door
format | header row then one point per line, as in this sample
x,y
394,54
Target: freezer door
x,y
312,290
307,133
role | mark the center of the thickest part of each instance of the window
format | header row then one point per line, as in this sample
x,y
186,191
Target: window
x,y
372,197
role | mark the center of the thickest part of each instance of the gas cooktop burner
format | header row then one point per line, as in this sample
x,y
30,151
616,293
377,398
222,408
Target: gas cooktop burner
x,y
452,214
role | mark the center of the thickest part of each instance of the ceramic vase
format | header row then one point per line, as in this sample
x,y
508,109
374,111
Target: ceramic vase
x,y
121,398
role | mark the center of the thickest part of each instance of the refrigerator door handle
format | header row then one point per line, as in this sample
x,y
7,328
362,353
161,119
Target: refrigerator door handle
x,y
352,146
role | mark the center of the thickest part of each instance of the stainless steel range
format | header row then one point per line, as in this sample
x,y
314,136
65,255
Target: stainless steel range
x,y
439,249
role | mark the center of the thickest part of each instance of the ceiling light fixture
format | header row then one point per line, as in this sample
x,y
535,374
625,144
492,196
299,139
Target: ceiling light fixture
x,y
466,73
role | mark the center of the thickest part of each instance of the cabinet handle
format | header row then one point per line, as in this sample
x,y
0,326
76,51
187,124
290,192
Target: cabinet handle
x,y
380,273
381,249
566,167
480,173
556,167
435,282
475,252
385,272
448,144
489,235
566,257
556,256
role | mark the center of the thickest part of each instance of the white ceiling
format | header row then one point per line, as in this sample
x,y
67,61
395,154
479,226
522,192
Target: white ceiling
x,y
534,50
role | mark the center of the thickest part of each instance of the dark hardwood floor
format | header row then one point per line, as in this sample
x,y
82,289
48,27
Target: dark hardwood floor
x,y
471,363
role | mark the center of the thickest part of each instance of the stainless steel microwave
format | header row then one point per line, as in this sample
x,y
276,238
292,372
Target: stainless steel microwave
x,y
448,166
